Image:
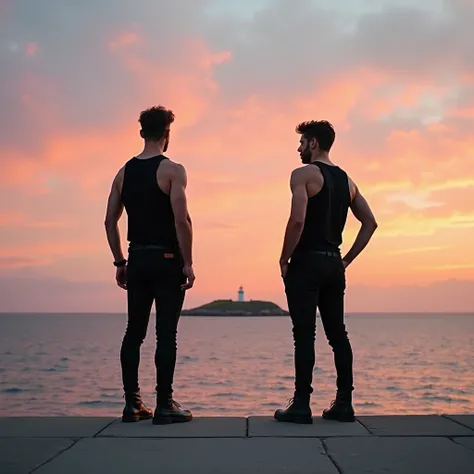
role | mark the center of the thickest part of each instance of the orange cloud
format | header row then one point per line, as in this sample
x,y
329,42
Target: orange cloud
x,y
9,218
337,96
187,84
432,248
419,224
239,146
20,172
466,112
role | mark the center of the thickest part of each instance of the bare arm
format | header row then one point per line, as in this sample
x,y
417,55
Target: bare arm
x,y
181,215
362,212
113,214
295,225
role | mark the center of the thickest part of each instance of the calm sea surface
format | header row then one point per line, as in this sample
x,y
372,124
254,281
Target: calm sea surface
x,y
68,364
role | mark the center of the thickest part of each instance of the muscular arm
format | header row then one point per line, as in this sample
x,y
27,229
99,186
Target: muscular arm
x,y
181,215
295,225
362,212
113,214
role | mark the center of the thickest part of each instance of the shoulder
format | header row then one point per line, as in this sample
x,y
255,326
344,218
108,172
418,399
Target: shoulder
x,y
120,175
117,183
300,177
301,172
305,173
174,170
169,164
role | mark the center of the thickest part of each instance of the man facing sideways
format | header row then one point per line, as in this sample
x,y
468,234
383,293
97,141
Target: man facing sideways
x,y
322,193
151,188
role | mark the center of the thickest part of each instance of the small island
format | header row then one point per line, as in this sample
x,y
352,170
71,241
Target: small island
x,y
237,308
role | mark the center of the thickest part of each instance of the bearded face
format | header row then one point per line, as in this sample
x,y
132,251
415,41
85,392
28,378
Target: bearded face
x,y
305,150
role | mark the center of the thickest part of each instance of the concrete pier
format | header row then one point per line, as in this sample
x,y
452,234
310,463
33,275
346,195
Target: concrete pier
x,y
431,444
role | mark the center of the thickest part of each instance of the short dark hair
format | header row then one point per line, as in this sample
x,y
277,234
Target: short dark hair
x,y
321,130
155,121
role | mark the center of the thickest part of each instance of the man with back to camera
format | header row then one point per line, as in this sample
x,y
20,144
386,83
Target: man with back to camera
x,y
151,188
322,193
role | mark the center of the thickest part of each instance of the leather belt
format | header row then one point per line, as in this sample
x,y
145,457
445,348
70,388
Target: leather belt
x,y
148,246
324,252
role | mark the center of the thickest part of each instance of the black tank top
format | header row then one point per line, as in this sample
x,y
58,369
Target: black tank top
x,y
326,212
149,211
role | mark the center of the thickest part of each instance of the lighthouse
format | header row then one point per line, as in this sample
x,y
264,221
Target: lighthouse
x,y
240,294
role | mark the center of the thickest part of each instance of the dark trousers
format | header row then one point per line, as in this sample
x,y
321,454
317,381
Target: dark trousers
x,y
314,280
153,275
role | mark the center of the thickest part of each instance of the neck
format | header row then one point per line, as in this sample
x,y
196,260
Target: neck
x,y
321,156
152,149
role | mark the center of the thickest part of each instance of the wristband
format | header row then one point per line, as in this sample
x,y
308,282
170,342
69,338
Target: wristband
x,y
120,263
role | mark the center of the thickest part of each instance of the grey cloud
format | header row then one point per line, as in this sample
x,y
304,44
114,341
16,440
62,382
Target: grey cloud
x,y
283,49
408,41
278,53
312,45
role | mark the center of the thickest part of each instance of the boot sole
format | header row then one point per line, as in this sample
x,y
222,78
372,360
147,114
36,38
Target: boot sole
x,y
134,419
344,419
169,420
297,420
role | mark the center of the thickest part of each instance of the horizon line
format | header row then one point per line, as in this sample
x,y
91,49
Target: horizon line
x,y
203,315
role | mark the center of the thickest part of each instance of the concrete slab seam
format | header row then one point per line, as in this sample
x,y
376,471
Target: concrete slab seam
x,y
365,426
105,427
326,452
422,435
74,442
447,417
459,444
170,437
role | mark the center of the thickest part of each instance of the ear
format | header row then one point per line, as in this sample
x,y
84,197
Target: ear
x,y
313,144
141,134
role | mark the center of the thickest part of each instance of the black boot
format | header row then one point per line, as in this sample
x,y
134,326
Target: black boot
x,y
169,411
341,408
135,409
297,411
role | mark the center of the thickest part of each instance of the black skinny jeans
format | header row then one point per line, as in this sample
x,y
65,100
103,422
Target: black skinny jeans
x,y
314,280
152,276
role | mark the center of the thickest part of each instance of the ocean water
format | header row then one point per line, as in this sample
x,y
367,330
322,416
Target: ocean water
x,y
68,364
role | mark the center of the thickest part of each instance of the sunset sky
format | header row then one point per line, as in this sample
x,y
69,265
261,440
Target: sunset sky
x,y
395,77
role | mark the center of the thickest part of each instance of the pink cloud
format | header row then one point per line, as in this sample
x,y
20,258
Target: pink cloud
x,y
31,49
16,219
18,262
403,133
123,40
